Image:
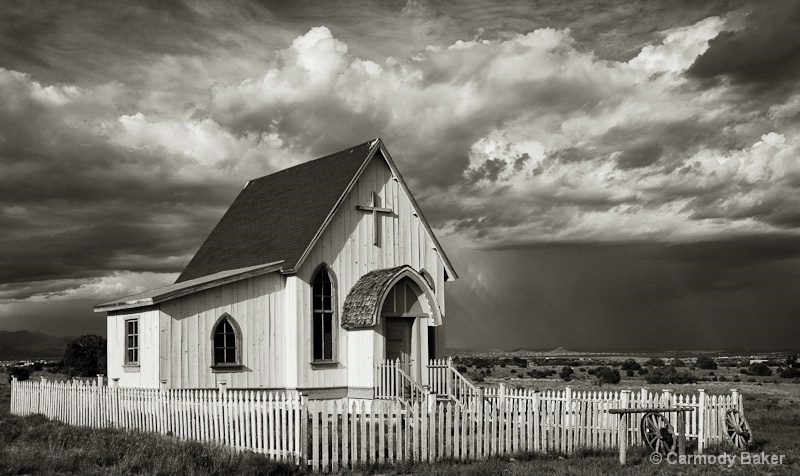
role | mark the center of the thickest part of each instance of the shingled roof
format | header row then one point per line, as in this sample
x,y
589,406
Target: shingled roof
x,y
363,301
275,217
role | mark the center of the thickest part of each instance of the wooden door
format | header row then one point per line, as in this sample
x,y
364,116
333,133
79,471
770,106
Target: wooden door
x,y
398,340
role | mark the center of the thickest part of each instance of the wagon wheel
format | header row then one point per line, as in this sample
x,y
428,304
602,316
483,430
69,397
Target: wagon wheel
x,y
657,433
737,429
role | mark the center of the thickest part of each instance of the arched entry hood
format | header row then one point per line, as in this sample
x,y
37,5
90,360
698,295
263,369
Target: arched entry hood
x,y
364,302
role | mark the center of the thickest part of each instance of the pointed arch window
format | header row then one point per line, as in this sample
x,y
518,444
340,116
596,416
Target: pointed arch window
x,y
227,343
322,306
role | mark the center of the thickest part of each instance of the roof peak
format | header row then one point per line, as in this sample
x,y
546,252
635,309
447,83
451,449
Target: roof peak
x,y
352,149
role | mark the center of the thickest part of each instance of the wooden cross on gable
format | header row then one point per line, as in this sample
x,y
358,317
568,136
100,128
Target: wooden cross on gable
x,y
375,209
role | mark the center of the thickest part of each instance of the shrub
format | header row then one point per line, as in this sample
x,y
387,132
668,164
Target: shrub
x,y
654,362
629,373
643,371
86,356
679,363
630,365
22,373
760,368
461,369
607,375
669,375
705,363
790,373
566,373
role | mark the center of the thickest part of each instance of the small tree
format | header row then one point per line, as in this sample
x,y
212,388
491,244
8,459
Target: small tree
x,y
790,372
566,374
607,375
85,356
654,362
705,363
669,375
22,373
759,368
630,364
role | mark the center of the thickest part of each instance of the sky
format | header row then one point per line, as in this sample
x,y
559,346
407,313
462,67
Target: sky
x,y
603,174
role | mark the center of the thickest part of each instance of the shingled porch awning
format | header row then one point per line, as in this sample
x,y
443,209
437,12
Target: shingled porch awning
x,y
363,304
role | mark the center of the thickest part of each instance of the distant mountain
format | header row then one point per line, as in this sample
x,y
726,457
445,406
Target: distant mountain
x,y
18,345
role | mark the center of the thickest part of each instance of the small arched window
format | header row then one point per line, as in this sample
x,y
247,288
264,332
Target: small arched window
x,y
227,342
322,306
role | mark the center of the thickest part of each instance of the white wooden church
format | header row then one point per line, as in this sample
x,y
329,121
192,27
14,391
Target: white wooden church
x,y
314,276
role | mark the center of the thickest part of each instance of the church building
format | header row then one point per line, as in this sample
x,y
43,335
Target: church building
x,y
314,276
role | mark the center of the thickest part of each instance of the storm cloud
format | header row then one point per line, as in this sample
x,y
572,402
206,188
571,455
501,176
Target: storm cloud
x,y
665,131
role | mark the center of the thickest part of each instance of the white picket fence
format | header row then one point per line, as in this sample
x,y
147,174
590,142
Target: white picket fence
x,y
331,435
583,409
264,422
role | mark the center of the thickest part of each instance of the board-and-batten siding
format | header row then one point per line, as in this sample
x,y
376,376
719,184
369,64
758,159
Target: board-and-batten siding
x,y
145,375
256,304
347,247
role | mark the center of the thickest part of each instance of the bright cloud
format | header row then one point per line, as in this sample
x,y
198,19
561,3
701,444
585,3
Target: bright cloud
x,y
531,137
94,289
202,140
512,139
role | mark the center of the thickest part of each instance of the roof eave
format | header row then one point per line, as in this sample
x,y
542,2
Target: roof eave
x,y
439,250
166,296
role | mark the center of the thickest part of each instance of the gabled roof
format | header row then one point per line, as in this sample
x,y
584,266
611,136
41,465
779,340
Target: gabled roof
x,y
275,217
281,216
155,296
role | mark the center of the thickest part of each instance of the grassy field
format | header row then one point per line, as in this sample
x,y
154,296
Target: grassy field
x,y
35,445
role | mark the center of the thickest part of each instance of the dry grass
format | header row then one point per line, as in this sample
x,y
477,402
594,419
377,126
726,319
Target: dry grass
x,y
35,445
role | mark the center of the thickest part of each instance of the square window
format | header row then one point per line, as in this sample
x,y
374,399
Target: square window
x,y
132,342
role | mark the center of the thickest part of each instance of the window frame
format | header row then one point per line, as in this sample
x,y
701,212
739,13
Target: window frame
x,y
237,345
332,311
128,347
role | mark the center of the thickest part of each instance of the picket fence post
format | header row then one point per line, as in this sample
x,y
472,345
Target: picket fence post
x,y
736,399
449,378
625,397
567,433
701,421
14,396
303,448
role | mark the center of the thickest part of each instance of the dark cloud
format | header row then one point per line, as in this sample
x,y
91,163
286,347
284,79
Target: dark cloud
x,y
490,170
640,155
88,196
644,296
766,52
77,205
